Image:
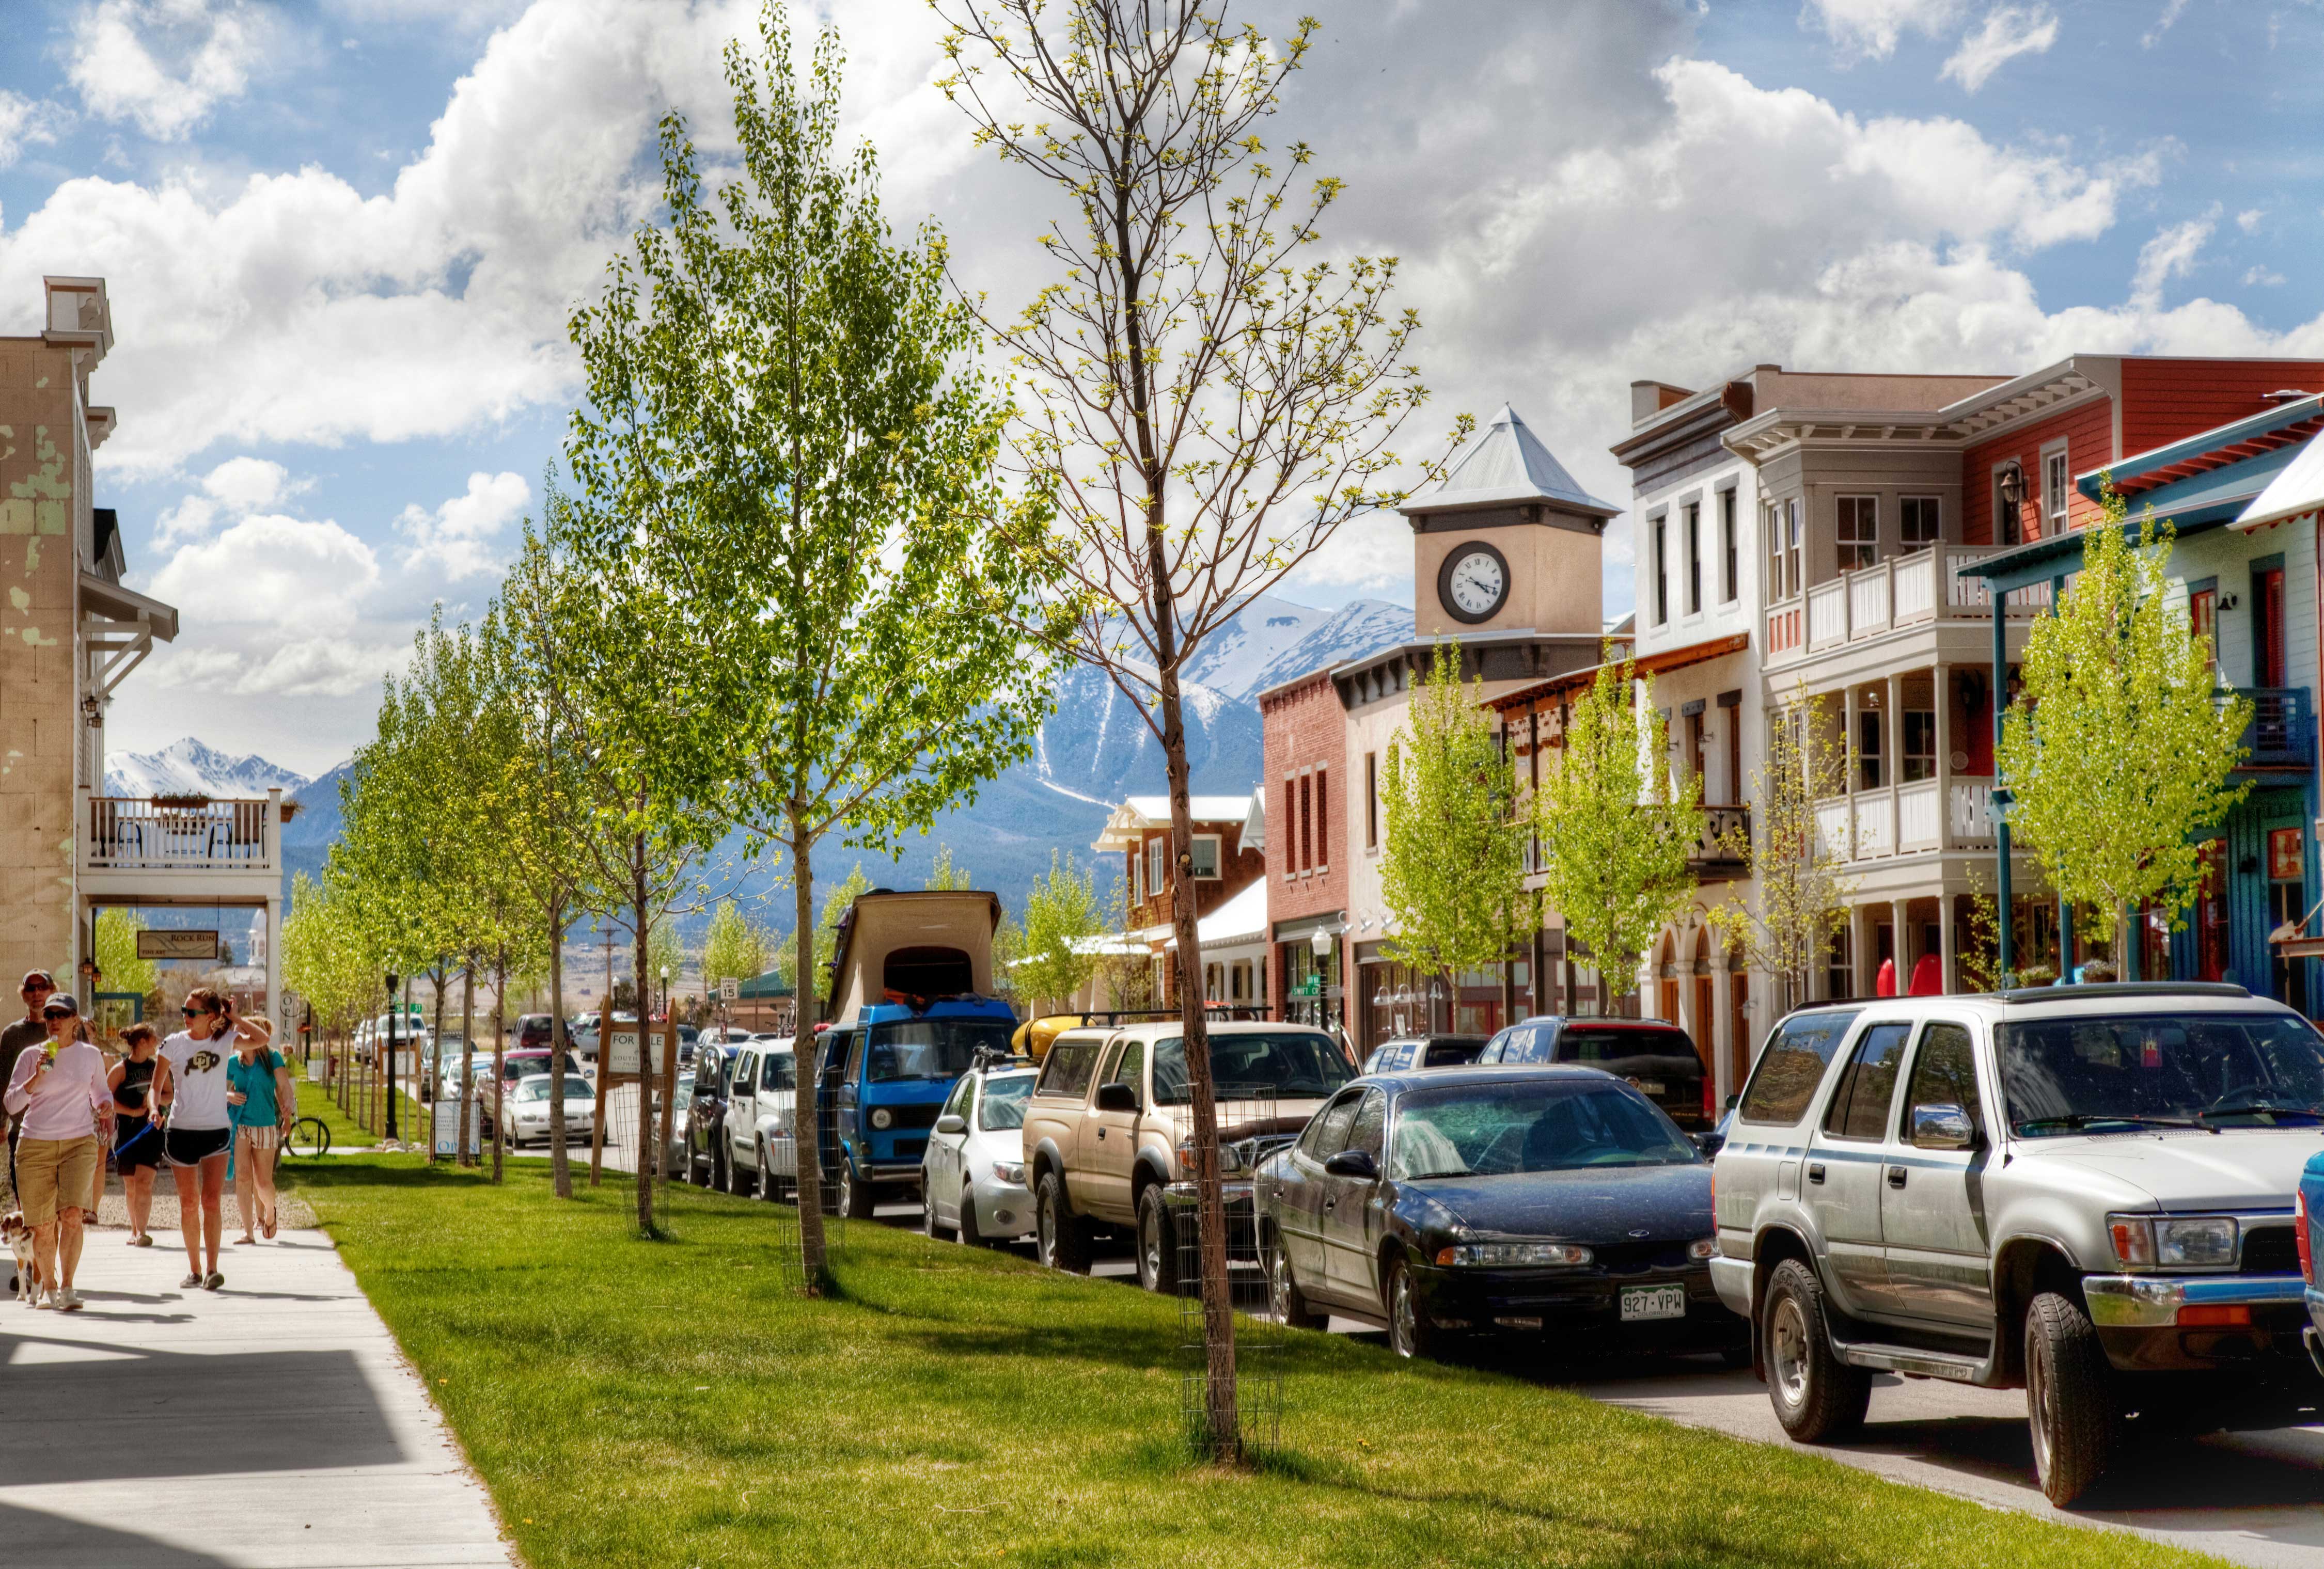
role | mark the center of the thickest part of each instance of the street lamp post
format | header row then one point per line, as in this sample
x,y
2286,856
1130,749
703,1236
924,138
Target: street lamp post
x,y
388,1129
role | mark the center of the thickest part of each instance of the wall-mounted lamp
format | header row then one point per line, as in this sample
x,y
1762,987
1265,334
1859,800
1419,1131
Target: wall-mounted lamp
x,y
2013,485
92,708
2228,601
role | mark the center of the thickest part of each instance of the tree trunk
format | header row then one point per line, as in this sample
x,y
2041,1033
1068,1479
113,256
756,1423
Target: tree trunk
x,y
1220,1394
560,1163
431,1064
499,1043
806,1122
467,1055
645,1058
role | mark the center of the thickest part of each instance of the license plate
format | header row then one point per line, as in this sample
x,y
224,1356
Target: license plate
x,y
1652,1302
1649,1087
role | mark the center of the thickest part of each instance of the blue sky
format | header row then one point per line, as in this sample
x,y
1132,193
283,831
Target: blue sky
x,y
342,238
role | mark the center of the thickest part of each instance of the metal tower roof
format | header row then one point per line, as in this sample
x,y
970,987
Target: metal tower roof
x,y
1507,465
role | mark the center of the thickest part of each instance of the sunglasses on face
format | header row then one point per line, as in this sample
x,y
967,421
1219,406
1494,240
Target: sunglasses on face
x,y
56,1013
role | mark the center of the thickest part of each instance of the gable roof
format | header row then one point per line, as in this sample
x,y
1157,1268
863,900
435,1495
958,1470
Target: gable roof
x,y
1141,814
1504,466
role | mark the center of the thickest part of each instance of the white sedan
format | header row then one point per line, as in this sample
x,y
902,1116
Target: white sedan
x,y
529,1105
972,1176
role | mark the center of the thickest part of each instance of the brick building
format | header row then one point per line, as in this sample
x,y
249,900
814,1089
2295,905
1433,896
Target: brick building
x,y
1229,850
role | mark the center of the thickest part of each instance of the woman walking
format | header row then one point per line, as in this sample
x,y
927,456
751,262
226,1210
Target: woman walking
x,y
258,1089
137,1134
58,1089
191,1085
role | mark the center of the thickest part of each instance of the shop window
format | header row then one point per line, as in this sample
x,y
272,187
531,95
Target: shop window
x,y
1859,532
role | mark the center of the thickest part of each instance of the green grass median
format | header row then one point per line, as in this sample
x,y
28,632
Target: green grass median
x,y
670,1403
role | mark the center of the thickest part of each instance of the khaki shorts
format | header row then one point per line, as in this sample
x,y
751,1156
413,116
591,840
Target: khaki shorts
x,y
47,1168
260,1136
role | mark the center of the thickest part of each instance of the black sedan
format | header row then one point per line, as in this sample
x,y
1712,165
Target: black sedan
x,y
1553,1201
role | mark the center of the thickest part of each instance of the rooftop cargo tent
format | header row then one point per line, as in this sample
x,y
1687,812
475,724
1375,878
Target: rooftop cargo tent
x,y
922,944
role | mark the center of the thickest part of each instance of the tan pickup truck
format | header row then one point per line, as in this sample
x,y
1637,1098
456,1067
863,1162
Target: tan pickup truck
x,y
1107,1128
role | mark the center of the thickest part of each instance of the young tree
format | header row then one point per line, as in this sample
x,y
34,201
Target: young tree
x,y
835,906
944,875
1452,870
1798,876
1207,403
1614,831
2119,751
785,428
1063,922
733,947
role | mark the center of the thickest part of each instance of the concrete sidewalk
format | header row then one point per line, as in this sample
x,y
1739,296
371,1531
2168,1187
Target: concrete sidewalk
x,y
272,1423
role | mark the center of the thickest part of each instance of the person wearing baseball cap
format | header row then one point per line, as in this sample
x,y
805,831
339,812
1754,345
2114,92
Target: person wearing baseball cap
x,y
28,1031
60,1091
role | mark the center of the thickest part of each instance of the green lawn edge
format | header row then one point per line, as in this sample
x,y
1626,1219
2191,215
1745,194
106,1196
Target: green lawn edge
x,y
674,1403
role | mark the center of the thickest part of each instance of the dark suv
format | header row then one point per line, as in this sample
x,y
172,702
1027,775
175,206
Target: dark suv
x,y
1653,1055
532,1030
1410,1051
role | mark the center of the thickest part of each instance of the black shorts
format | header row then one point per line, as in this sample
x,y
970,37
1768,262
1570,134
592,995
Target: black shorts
x,y
192,1146
137,1145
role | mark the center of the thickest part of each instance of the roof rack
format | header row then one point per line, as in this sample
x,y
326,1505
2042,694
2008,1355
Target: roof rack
x,y
2054,993
1231,1013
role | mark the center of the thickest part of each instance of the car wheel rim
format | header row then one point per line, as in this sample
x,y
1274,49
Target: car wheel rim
x,y
1787,1345
1406,1314
1149,1251
2038,1406
1048,1233
1279,1280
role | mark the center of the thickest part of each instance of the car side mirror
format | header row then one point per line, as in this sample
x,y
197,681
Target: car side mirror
x,y
1942,1126
1116,1096
1357,1164
952,1122
1731,1103
1709,1143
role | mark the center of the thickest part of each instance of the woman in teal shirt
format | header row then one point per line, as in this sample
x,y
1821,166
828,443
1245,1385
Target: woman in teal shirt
x,y
262,1105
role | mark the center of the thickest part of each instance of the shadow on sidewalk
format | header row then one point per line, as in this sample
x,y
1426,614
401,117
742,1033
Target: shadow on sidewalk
x,y
55,1541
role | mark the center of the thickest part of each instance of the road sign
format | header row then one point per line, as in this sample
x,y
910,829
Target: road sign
x,y
729,989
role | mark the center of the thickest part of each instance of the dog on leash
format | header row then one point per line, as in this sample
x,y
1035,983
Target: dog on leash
x,y
19,1238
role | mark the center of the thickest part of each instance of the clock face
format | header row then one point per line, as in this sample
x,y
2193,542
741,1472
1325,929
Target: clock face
x,y
1476,580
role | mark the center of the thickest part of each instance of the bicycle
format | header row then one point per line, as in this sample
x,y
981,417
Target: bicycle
x,y
312,1133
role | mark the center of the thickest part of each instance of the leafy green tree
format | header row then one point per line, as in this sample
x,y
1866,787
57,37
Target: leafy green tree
x,y
1615,833
787,424
835,906
1452,869
1206,399
944,875
1797,878
2119,751
117,953
733,947
1063,922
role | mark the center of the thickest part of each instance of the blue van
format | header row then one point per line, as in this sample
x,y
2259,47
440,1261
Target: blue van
x,y
911,1008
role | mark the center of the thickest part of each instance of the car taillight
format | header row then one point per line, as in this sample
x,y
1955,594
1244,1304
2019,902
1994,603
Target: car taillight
x,y
2300,1236
1710,1098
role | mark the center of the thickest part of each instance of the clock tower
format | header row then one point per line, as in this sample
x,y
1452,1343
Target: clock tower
x,y
1508,541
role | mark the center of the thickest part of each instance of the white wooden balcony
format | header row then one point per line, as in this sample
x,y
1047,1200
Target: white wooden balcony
x,y
1904,820
183,848
1908,591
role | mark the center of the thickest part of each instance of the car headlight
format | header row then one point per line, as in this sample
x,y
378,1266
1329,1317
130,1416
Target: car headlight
x,y
1510,1255
2167,1241
1230,1160
881,1117
1011,1171
1702,1248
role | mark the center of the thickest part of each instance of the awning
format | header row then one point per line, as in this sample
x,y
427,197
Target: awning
x,y
2296,488
1242,919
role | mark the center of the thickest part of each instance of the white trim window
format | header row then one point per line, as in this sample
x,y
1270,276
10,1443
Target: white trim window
x,y
1919,523
1205,857
2057,489
1156,850
1859,532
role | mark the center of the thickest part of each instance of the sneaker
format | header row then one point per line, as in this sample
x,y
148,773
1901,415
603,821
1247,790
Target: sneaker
x,y
140,1241
190,1283
71,1300
45,1296
213,1282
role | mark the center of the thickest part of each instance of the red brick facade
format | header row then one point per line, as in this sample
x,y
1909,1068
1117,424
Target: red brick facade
x,y
1306,796
1239,868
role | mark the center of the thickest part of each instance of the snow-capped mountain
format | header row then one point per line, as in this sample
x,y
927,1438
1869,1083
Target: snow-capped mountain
x,y
1271,640
190,767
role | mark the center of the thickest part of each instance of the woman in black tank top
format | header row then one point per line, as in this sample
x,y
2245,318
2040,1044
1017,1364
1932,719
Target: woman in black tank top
x,y
137,1141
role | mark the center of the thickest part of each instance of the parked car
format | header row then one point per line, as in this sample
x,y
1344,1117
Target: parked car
x,y
972,1177
1108,1132
1409,1051
1557,1202
2306,1218
882,1081
1655,1055
761,1120
533,1030
527,1102
706,1114
2085,1191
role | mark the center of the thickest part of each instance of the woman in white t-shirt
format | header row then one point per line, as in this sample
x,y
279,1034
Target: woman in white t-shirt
x,y
191,1083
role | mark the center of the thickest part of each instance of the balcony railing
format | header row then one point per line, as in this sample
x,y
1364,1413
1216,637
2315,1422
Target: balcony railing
x,y
1723,828
1925,814
130,834
2282,731
1923,587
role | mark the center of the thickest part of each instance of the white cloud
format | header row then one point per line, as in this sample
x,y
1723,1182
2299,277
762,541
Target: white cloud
x,y
2264,276
2249,220
22,122
2154,35
2170,255
1873,27
164,63
2006,32
456,538
234,488
271,570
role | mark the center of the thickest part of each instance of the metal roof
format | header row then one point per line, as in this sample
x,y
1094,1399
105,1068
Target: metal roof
x,y
2297,488
1505,466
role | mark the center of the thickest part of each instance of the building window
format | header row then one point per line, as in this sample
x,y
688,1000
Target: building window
x,y
1774,524
1203,851
1696,754
1859,532
1840,962
1156,874
1693,558
1727,582
1869,725
1795,533
2006,529
2267,630
1919,523
2057,485
1322,820
1132,862
1290,828
1920,758
1662,570
1371,801
2203,621
1306,823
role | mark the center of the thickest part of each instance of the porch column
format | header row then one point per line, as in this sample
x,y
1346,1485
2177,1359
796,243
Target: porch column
x,y
1900,914
1848,759
276,1008
1722,1038
1951,981
1860,966
1943,678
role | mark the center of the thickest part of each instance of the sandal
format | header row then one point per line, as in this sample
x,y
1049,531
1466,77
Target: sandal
x,y
190,1283
269,1225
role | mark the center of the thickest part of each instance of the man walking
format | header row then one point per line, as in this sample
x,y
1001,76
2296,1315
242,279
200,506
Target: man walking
x,y
59,1088
29,1031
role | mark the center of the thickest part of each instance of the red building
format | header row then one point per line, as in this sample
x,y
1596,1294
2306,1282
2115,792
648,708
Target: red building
x,y
1229,856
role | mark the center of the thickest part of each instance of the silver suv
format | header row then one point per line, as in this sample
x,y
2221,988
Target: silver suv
x,y
2083,1190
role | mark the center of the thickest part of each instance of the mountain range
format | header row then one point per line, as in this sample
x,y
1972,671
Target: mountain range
x,y
1090,753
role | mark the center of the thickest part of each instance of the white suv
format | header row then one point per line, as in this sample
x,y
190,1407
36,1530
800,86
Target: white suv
x,y
761,1136
2083,1190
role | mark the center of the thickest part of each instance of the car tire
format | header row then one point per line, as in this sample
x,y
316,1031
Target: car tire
x,y
1157,1244
967,1233
738,1181
769,1187
717,1167
2072,1403
1058,1238
1410,1332
1817,1397
1289,1303
855,1193
928,1226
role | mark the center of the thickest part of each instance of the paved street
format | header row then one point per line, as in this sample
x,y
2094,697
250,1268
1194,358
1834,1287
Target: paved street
x,y
272,1424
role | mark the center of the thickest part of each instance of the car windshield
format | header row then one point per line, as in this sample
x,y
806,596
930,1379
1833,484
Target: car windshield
x,y
2064,1076
778,1070
925,1049
1003,1103
539,1089
1498,1129
1294,1065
